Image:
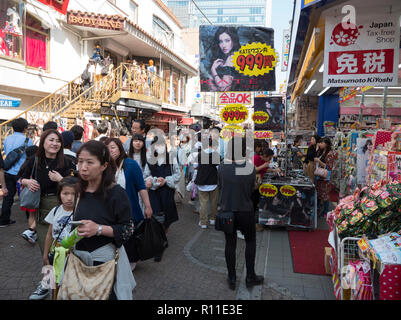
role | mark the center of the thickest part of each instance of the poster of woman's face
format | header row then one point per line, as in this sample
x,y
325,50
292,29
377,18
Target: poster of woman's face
x,y
274,107
217,45
364,148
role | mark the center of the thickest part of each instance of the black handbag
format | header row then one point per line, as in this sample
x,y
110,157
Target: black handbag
x,y
225,222
14,155
150,238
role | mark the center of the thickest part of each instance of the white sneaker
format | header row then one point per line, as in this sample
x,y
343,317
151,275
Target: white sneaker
x,y
212,222
40,292
202,225
240,235
30,236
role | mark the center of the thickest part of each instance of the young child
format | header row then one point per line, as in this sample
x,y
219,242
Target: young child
x,y
59,227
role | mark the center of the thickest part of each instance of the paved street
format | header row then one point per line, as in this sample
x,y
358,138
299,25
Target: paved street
x,y
193,266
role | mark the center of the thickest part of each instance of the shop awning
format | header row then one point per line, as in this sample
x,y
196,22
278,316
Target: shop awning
x,y
6,101
311,61
168,113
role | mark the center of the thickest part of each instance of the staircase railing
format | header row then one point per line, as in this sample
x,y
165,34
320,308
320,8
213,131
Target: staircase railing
x,y
125,77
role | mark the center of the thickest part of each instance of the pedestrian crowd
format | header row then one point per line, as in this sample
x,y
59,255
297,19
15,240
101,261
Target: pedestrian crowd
x,y
94,194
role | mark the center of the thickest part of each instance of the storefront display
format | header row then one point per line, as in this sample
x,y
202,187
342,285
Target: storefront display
x,y
288,201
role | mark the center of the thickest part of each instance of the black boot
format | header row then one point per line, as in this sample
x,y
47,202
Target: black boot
x,y
231,282
253,280
158,257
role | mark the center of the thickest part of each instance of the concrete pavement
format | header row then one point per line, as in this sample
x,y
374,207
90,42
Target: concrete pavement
x,y
192,268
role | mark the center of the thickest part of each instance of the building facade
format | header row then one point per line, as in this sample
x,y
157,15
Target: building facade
x,y
47,46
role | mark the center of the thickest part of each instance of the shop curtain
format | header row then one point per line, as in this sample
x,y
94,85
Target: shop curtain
x,y
35,53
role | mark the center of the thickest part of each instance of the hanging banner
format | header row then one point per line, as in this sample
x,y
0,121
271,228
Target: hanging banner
x,y
237,58
234,114
347,93
286,49
237,98
307,3
361,54
274,109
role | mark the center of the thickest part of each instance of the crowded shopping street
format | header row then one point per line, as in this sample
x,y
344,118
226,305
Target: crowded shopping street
x,y
200,153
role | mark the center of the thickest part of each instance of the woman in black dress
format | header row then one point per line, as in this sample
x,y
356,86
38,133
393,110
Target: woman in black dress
x,y
309,162
161,178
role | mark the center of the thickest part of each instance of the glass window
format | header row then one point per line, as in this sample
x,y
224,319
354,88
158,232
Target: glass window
x,y
11,29
174,91
166,85
36,43
182,90
162,32
133,11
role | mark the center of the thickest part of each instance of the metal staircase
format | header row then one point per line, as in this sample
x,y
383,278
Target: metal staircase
x,y
72,100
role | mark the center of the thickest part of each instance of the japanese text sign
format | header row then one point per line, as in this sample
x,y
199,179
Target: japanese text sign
x,y
361,54
237,98
233,114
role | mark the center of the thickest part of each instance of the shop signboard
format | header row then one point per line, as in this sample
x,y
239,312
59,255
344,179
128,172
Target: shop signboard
x,y
307,3
234,98
268,116
362,54
237,58
346,93
58,5
85,19
230,131
234,114
6,101
286,48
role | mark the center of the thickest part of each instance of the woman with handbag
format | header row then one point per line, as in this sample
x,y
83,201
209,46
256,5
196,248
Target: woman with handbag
x,y
324,164
129,176
41,175
236,180
161,177
98,266
309,162
59,227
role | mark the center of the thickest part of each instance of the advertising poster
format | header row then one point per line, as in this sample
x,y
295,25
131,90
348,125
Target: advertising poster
x,y
237,98
286,49
287,205
237,58
361,54
268,116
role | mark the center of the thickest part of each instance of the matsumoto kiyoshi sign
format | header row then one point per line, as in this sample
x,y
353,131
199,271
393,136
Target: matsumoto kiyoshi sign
x,y
361,54
237,58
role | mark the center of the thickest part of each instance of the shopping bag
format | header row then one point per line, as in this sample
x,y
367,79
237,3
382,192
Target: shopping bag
x,y
150,238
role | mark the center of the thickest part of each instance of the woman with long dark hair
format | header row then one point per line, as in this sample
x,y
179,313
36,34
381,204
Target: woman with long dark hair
x,y
104,209
222,70
137,150
324,159
50,167
161,178
309,162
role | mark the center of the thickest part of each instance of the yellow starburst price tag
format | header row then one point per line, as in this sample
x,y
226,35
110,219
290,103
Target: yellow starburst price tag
x,y
234,114
260,117
255,59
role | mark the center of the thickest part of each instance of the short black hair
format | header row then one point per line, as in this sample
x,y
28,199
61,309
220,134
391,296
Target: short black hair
x,y
68,181
297,139
78,132
141,122
19,124
50,125
102,127
267,152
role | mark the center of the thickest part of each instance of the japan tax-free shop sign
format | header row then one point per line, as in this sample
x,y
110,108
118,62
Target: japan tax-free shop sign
x,y
364,53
